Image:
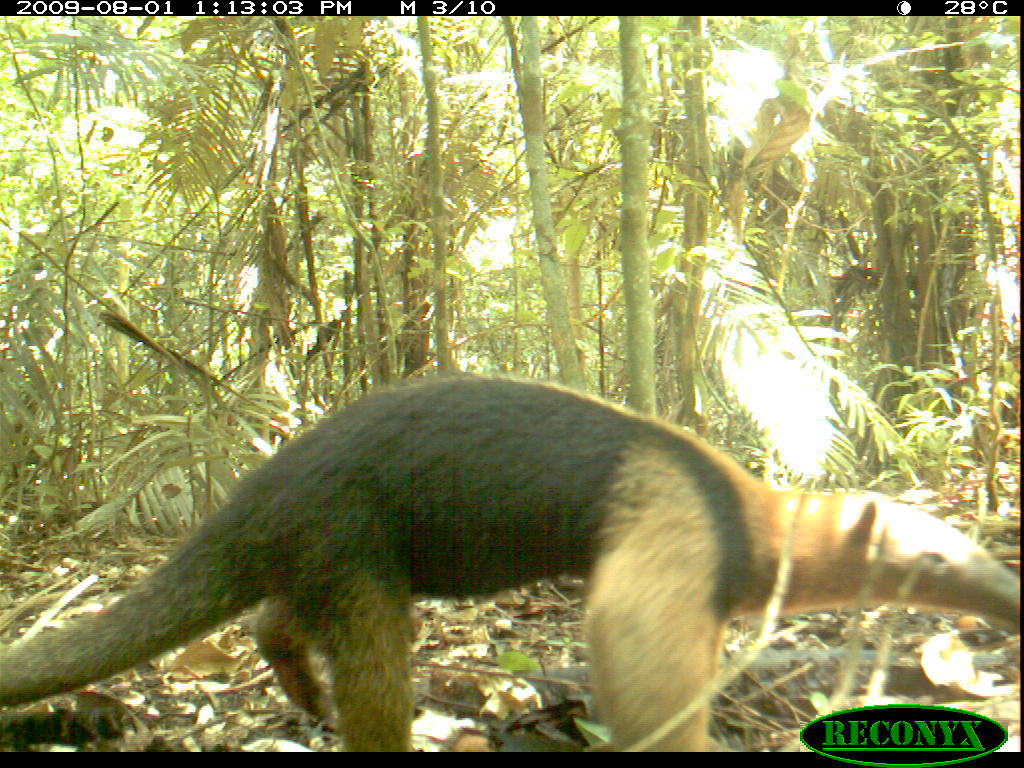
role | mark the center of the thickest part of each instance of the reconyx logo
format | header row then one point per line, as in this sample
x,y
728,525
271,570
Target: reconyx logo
x,y
897,734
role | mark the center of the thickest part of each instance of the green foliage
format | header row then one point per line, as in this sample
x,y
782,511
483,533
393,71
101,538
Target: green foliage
x,y
597,735
937,423
214,180
516,662
781,369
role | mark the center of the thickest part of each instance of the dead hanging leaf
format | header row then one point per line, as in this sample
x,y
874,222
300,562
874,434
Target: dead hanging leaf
x,y
199,29
737,202
781,123
764,124
337,38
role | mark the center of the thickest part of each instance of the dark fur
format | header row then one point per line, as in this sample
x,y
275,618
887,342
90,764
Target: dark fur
x,y
451,487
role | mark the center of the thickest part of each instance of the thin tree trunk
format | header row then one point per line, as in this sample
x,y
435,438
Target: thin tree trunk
x,y
634,135
435,194
552,274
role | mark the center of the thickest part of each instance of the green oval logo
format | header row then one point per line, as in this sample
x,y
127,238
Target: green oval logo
x,y
899,734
